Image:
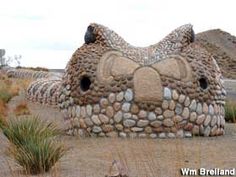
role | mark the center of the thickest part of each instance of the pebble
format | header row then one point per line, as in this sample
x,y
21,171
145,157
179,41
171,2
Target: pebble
x,y
165,104
171,135
148,129
168,122
199,108
126,107
185,113
168,114
110,111
96,108
158,111
116,106
107,128
205,108
177,118
193,116
88,122
120,96
200,119
213,121
156,123
188,134
134,109
104,102
118,117
207,120
103,118
162,135
135,117
178,109
218,121
172,105
142,135
152,116
167,93
112,134
161,117
122,135
112,98
222,121
181,98
193,105
213,130
127,115
74,111
89,110
207,131
119,127
153,135
180,134
96,120
187,102
201,130
82,111
77,111
142,114
196,130
175,95
211,110
129,123
142,123
97,129
136,129
128,95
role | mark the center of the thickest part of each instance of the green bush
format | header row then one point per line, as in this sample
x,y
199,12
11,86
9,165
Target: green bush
x,y
33,143
230,111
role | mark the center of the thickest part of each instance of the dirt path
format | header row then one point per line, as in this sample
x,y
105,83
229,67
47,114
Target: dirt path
x,y
143,157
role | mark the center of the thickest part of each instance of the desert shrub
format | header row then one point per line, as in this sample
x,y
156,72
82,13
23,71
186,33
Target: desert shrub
x,y
22,109
8,90
5,96
230,111
33,143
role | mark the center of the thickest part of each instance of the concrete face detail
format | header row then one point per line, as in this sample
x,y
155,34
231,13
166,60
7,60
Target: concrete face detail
x,y
111,88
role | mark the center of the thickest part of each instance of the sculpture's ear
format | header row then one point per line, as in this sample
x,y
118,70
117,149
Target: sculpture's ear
x,y
175,67
90,35
113,64
177,39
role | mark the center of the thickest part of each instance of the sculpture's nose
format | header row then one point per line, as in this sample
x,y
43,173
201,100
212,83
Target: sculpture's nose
x,y
147,85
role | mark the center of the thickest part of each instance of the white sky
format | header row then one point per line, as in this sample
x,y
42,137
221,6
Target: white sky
x,y
47,32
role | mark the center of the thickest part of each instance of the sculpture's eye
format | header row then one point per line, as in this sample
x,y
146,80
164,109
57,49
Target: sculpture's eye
x,y
89,37
203,82
85,83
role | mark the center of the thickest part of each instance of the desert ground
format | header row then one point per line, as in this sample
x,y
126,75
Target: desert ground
x,y
92,157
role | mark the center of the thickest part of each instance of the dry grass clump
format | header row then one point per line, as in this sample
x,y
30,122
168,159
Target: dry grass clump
x,y
230,111
22,109
33,144
3,109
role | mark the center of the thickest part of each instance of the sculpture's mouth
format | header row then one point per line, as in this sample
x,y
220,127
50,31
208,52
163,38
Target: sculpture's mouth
x,y
177,116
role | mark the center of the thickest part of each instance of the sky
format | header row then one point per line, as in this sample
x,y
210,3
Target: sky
x,y
47,32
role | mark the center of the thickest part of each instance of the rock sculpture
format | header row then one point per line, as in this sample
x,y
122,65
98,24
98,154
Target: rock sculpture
x,y
111,88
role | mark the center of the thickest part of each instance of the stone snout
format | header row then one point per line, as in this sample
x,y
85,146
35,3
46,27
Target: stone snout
x,y
147,80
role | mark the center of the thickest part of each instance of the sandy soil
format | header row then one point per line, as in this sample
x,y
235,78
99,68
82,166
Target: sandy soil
x,y
92,157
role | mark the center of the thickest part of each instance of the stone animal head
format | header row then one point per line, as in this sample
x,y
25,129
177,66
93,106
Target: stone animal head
x,y
172,88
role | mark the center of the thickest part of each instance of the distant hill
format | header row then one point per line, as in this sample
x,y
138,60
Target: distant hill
x,y
223,46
